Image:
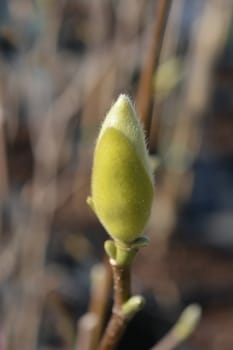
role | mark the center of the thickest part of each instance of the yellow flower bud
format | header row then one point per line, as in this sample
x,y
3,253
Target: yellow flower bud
x,y
122,181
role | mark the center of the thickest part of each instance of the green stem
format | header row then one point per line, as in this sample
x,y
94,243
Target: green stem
x,y
124,254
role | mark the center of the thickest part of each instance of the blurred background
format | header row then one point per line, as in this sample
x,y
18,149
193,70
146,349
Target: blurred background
x,y
62,64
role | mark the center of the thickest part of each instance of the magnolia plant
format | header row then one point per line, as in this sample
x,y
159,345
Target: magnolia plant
x,y
122,191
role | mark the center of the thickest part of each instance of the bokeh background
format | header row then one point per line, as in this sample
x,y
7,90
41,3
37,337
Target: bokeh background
x,y
62,64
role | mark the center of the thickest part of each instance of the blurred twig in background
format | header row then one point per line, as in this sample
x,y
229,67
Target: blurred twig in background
x,y
144,94
90,326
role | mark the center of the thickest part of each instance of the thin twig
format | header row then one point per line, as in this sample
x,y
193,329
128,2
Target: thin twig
x,y
145,85
168,50
118,321
101,289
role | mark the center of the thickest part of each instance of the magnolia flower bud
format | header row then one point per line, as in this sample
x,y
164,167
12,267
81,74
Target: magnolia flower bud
x,y
122,181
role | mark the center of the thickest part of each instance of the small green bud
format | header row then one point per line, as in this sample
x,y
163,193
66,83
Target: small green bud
x,y
133,305
187,322
122,181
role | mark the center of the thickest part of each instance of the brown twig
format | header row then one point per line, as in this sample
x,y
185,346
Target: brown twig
x,y
118,321
145,84
168,50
